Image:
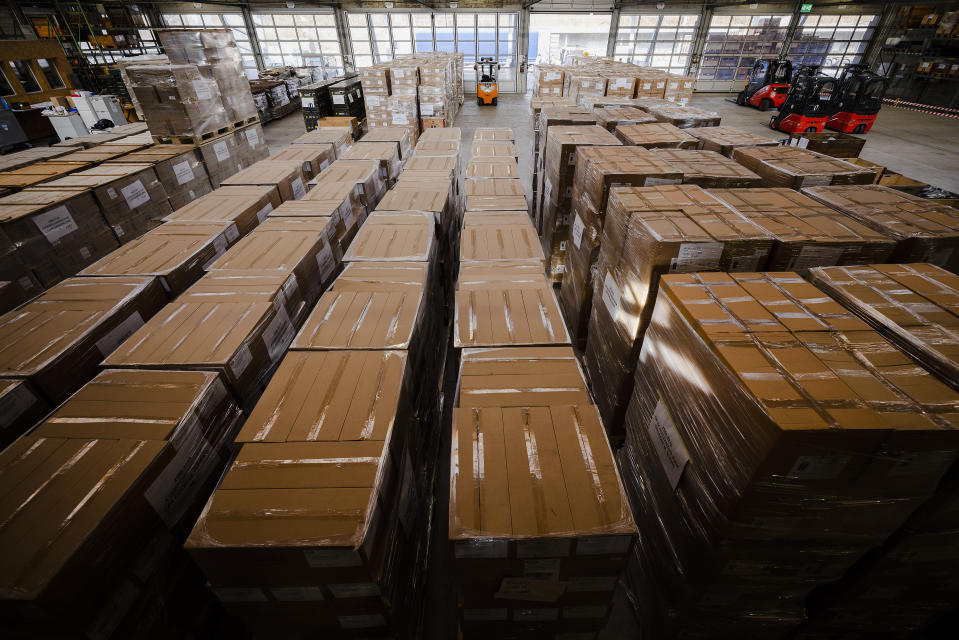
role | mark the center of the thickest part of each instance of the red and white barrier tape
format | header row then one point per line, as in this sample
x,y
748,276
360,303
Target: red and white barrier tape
x,y
930,108
932,113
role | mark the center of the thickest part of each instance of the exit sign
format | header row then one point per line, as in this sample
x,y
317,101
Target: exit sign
x,y
805,8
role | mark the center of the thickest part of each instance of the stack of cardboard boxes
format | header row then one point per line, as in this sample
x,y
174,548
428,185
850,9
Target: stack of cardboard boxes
x,y
590,77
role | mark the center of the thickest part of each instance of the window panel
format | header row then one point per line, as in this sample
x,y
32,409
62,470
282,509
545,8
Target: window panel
x,y
659,34
833,35
741,40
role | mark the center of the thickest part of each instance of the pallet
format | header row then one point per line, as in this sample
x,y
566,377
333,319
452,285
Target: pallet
x,y
209,135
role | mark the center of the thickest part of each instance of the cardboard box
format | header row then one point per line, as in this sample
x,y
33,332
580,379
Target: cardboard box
x,y
829,418
494,149
650,231
401,236
611,117
369,186
222,158
548,80
21,407
399,135
796,168
924,230
287,177
176,253
251,143
385,153
724,139
808,234
178,99
437,147
340,137
55,233
519,568
38,173
505,240
709,169
910,304
132,198
179,168
57,340
297,249
494,134
492,168
315,158
597,169
432,168
245,312
683,117
447,133
245,206
653,136
830,143
433,196
495,218
520,377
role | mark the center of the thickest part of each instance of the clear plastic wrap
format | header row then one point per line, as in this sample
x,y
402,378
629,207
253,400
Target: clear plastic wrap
x,y
245,206
287,177
611,117
21,407
585,85
399,135
548,80
724,139
924,230
808,234
387,154
340,137
653,136
650,231
709,169
494,133
178,99
390,236
772,440
797,168
315,158
914,305
683,117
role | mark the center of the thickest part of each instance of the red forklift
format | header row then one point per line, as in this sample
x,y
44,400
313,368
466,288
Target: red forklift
x,y
806,108
858,100
767,84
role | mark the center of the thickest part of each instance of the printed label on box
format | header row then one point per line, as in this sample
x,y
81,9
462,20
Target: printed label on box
x,y
252,137
400,118
183,172
298,189
612,298
338,98
332,558
747,263
177,486
14,403
240,361
354,590
490,548
325,261
202,90
221,150
231,232
426,110
108,343
263,213
547,569
818,467
278,335
373,101
135,194
85,253
810,256
55,224
297,594
696,256
307,102
578,228
530,589
669,446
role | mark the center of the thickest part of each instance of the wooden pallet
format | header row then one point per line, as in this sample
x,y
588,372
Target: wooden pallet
x,y
209,135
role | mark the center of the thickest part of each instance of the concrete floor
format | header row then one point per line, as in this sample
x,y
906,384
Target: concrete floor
x,y
914,144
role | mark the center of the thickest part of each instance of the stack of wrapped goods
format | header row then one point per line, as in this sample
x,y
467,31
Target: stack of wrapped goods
x,y
649,231
437,93
549,116
597,169
709,169
924,230
724,139
352,413
797,168
534,554
181,102
559,167
773,439
548,80
589,78
179,168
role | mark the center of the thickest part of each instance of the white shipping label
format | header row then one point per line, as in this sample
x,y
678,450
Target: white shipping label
x,y
824,467
55,224
14,403
117,229
183,172
542,569
112,193
578,228
667,443
426,110
108,343
349,217
231,233
612,298
803,143
373,101
307,102
354,590
747,263
812,256
324,165
299,190
696,256
297,594
332,558
135,194
262,214
325,261
202,90
240,594
290,287
400,118
252,137
278,335
547,191
364,621
338,98
222,151
489,548
240,361
176,487
84,253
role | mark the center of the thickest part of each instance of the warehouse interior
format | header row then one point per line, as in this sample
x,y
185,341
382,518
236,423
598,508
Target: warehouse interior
x,y
481,319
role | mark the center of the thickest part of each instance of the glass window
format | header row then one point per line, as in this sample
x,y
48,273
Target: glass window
x,y
833,35
661,35
24,75
49,69
740,40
